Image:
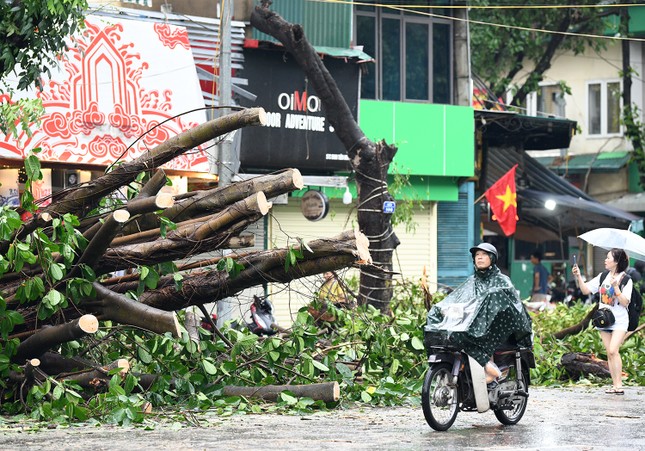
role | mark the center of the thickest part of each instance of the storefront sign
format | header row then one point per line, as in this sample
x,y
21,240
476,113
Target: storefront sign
x,y
120,90
298,133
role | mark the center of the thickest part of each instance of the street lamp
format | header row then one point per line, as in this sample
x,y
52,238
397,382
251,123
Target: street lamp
x,y
550,204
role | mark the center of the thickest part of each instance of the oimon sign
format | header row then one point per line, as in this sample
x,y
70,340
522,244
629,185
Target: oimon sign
x,y
298,133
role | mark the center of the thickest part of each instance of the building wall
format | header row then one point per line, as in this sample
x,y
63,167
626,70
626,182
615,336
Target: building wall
x,y
418,249
607,186
577,71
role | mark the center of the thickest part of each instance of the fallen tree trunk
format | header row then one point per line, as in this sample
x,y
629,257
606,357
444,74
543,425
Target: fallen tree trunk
x,y
580,364
85,197
577,328
55,364
116,307
635,331
260,267
327,392
54,336
99,378
201,203
137,206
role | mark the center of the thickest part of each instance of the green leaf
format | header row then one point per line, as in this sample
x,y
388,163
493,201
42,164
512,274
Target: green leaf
x,y
209,368
417,343
56,271
394,367
320,366
151,279
32,167
144,355
288,398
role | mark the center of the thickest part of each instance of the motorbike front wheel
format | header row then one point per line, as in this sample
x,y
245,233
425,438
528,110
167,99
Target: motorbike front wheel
x,y
439,397
512,409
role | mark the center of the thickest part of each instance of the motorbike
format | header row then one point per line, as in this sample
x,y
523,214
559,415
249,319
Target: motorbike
x,y
262,320
457,382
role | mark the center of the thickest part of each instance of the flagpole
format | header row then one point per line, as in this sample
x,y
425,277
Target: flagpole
x,y
479,198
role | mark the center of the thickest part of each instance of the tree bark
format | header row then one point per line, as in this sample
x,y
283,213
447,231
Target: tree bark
x,y
99,378
580,364
260,267
55,364
191,238
201,203
369,161
116,307
54,336
327,392
150,189
577,328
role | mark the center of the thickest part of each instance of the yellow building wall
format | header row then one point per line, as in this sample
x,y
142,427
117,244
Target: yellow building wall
x,y
286,224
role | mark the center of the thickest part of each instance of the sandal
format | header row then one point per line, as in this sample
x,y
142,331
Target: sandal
x,y
615,391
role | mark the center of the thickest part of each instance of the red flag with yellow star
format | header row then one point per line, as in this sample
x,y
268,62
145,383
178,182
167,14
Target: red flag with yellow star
x,y
502,198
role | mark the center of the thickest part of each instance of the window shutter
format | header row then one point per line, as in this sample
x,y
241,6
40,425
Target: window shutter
x,y
455,232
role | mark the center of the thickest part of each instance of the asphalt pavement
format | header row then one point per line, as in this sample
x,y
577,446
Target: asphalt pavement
x,y
580,418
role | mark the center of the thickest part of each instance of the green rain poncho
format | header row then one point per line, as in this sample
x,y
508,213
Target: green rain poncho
x,y
482,313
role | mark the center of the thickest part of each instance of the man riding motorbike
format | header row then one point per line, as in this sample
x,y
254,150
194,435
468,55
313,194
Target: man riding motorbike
x,y
480,323
492,311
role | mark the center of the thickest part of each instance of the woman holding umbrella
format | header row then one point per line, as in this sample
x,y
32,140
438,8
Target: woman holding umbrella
x,y
615,298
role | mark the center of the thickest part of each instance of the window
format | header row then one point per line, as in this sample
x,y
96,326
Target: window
x,y
413,51
548,101
604,103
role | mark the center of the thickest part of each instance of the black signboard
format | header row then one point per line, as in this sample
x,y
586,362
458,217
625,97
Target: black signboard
x,y
298,134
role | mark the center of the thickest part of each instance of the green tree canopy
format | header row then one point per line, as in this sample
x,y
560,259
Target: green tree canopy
x,y
33,33
512,46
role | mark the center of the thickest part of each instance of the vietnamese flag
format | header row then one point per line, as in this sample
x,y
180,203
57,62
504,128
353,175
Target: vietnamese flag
x,y
502,198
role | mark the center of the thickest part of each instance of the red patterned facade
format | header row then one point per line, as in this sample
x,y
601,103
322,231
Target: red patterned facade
x,y
112,103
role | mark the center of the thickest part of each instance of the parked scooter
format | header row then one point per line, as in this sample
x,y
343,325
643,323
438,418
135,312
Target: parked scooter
x,y
455,381
262,320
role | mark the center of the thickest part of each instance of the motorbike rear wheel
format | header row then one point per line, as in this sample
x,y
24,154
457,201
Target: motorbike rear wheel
x,y
439,397
514,414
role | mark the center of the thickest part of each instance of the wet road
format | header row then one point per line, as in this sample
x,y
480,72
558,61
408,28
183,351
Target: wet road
x,y
556,419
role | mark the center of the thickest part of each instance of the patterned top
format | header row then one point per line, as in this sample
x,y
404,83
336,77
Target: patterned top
x,y
607,298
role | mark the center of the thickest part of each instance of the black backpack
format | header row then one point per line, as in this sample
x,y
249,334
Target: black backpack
x,y
635,303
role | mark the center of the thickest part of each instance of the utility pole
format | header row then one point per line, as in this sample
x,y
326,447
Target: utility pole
x,y
225,160
225,307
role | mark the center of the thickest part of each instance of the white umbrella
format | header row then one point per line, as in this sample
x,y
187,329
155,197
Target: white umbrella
x,y
608,238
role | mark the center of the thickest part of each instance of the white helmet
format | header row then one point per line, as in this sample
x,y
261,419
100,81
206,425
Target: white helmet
x,y
487,247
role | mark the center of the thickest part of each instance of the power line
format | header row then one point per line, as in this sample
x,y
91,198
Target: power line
x,y
414,10
416,7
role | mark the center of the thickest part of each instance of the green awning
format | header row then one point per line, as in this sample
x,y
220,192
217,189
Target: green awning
x,y
577,164
338,52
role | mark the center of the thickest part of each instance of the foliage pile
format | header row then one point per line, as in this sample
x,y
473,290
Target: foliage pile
x,y
376,359
549,351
